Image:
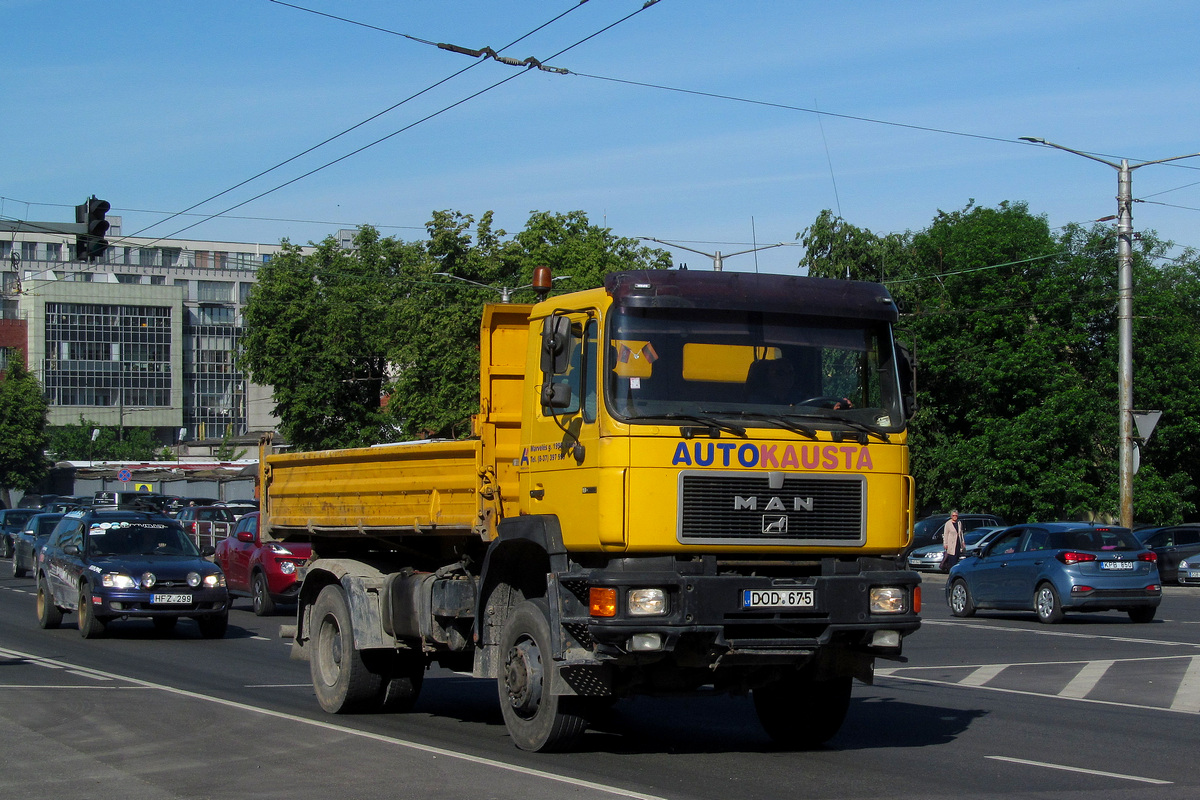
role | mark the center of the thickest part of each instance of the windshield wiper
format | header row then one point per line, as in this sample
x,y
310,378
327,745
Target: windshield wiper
x,y
708,422
779,419
870,430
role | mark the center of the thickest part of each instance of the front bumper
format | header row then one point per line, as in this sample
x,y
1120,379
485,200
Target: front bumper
x,y
706,624
142,603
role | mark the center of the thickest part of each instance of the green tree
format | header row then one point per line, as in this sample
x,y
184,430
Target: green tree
x,y
23,415
315,332
436,387
75,443
335,331
1014,329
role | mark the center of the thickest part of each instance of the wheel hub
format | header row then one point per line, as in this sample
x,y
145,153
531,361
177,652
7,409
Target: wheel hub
x,y
523,677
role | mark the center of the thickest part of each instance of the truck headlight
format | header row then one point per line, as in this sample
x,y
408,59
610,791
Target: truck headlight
x,y
889,600
647,602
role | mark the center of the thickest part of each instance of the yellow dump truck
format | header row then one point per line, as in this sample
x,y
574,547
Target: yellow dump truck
x,y
681,482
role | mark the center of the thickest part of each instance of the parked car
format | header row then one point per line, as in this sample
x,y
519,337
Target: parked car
x,y
240,508
109,564
206,524
30,540
928,531
268,572
138,501
1189,570
929,558
979,538
1172,544
176,504
39,500
12,521
1054,567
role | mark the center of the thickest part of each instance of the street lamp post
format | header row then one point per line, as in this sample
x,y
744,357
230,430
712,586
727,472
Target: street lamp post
x,y
1124,312
541,283
718,257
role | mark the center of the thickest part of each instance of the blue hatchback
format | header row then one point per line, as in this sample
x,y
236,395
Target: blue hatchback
x,y
1054,567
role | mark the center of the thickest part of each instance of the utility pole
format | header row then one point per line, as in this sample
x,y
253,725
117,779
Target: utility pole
x,y
1124,312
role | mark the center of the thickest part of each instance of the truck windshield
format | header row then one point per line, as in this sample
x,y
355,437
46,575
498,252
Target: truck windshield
x,y
750,366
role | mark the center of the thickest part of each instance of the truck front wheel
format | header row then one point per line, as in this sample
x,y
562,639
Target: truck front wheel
x,y
799,712
341,679
536,719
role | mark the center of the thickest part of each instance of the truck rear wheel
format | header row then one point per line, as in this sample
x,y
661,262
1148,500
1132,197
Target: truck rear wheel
x,y
536,719
799,712
341,680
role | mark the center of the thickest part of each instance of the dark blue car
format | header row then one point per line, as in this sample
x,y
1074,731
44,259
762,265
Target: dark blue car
x,y
1054,567
106,565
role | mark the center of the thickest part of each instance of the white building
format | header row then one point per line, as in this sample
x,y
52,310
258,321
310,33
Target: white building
x,y
146,336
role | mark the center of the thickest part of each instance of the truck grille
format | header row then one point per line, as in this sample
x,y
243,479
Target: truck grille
x,y
768,508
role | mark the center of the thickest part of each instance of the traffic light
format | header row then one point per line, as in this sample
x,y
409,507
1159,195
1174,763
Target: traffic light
x,y
91,244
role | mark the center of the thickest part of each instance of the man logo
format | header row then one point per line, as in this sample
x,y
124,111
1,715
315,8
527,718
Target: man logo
x,y
776,525
773,504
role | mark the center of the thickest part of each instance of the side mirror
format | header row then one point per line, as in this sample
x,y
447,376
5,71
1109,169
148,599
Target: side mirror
x,y
556,395
556,345
71,549
208,550
245,536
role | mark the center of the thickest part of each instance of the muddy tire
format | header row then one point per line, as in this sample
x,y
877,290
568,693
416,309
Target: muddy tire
x,y
341,679
536,719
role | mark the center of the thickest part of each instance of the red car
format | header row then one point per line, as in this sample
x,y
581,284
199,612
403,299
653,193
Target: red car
x,y
267,572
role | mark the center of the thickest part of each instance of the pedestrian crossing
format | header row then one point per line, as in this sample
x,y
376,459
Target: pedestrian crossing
x,y
1169,683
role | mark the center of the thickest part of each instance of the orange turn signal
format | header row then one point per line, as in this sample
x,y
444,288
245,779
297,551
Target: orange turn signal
x,y
602,602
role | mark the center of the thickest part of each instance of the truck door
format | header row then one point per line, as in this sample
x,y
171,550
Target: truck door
x,y
560,456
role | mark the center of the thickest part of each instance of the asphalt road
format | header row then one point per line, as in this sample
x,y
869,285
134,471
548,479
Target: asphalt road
x,y
994,706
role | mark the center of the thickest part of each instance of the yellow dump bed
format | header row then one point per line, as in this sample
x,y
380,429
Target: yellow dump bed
x,y
430,487
381,491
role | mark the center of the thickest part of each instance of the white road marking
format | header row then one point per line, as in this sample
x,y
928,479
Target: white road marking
x,y
1039,632
1086,679
65,686
277,686
982,675
1187,698
329,726
915,679
1065,768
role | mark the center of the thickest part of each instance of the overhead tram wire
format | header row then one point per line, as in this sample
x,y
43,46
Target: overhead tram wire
x,y
528,64
352,127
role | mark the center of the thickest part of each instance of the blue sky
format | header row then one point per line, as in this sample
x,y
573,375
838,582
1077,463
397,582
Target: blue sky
x,y
157,106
